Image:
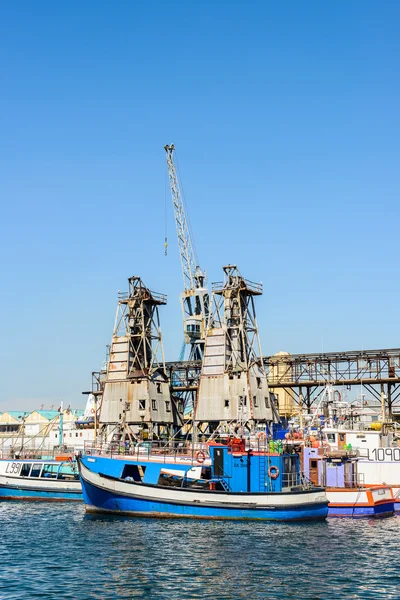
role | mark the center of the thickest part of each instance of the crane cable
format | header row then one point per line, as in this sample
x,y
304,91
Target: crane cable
x,y
165,212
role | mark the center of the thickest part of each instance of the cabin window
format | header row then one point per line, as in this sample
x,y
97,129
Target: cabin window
x,y
76,435
342,436
25,470
259,384
330,437
226,403
65,472
142,404
266,402
158,388
255,400
133,473
50,471
242,401
37,467
154,404
168,406
313,464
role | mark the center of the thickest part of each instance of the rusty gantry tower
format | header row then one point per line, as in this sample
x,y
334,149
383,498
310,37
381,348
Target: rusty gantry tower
x,y
136,396
233,386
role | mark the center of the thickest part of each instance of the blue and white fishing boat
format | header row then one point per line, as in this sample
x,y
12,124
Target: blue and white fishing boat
x,y
41,480
233,483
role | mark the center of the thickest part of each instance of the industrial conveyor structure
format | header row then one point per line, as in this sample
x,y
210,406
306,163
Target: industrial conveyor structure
x,y
305,376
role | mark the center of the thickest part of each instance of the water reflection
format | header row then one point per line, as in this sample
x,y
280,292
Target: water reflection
x,y
58,551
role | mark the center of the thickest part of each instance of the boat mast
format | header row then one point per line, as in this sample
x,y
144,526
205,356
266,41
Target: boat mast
x,y
60,429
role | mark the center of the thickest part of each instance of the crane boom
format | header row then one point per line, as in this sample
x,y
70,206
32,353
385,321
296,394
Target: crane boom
x,y
195,299
186,250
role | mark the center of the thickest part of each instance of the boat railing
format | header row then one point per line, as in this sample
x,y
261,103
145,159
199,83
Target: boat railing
x,y
37,453
252,286
177,450
196,453
305,482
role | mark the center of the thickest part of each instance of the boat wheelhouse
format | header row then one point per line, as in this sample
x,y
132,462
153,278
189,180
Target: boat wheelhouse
x,y
43,480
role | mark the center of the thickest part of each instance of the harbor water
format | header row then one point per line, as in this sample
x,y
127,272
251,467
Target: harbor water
x,y
57,551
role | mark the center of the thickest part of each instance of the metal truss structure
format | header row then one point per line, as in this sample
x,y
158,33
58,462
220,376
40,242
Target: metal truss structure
x,y
133,390
137,318
234,311
233,384
305,376
195,297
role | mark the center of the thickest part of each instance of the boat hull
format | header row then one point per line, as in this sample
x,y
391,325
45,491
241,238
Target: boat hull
x,y
20,488
8,493
109,495
373,502
357,512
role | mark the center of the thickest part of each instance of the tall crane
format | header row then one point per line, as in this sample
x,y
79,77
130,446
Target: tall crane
x,y
195,297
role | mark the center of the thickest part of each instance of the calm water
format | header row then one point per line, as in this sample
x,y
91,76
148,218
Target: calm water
x,y
56,551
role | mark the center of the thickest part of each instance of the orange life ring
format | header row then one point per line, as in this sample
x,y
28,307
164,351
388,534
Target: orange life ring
x,y
200,456
261,435
273,472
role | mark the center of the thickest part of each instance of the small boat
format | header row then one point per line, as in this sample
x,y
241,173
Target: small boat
x,y
348,497
232,483
40,480
378,455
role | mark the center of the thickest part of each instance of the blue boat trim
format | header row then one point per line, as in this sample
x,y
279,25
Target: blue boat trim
x,y
35,489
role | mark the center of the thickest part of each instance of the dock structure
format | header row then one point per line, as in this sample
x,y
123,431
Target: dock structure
x,y
304,376
134,390
233,386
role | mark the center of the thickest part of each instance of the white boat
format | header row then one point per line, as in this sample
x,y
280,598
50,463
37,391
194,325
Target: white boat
x,y
378,455
40,480
339,426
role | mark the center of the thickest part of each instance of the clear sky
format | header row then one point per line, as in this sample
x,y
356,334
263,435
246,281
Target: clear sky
x,y
285,116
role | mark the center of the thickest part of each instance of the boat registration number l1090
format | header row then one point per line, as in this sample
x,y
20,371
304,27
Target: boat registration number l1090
x,y
13,467
383,454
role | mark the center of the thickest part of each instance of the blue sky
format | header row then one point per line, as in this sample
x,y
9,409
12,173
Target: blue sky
x,y
286,122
